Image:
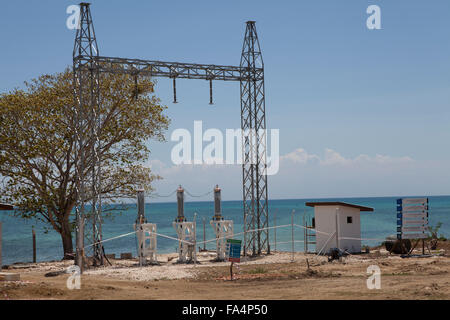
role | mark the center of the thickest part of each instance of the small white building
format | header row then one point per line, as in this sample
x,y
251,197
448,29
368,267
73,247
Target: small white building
x,y
341,218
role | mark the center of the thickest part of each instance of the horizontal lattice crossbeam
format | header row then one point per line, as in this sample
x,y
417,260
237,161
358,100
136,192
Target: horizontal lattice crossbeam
x,y
172,69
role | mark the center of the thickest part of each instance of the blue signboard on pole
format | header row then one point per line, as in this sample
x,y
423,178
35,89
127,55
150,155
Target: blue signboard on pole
x,y
412,218
233,250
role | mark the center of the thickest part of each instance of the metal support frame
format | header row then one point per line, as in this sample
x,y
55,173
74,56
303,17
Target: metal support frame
x,y
87,123
309,237
186,241
147,243
223,229
146,234
254,169
88,65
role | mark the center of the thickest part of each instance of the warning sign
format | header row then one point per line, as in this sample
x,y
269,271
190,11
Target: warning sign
x,y
233,251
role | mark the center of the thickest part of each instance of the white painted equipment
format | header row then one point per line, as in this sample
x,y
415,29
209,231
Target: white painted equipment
x,y
9,276
146,235
186,241
223,229
185,232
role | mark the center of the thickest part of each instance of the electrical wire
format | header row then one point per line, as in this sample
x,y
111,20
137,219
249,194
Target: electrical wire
x,y
233,235
157,195
198,196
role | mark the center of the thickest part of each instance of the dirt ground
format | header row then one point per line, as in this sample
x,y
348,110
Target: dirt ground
x,y
268,277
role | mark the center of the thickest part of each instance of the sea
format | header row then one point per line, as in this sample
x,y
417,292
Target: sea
x,y
17,245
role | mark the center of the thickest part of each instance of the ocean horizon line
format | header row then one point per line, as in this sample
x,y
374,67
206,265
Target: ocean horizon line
x,y
306,198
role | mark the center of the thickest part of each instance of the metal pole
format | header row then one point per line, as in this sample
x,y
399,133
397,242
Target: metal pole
x,y
275,228
34,244
195,239
139,221
305,235
308,233
0,245
204,234
292,234
253,118
231,270
80,241
337,228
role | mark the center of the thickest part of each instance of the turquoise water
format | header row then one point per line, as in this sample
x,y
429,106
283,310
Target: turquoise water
x,y
17,239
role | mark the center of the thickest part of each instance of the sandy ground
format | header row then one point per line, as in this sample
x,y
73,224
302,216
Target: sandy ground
x,y
268,277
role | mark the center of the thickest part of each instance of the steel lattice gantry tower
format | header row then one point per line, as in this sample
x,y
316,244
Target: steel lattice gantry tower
x,y
86,83
254,168
88,66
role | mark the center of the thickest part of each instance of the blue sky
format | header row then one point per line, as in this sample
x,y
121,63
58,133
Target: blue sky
x,y
367,109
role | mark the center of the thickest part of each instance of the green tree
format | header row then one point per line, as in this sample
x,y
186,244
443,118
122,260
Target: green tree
x,y
433,235
38,146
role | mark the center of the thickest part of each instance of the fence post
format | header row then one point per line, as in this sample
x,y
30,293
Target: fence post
x,y
195,239
34,244
292,234
0,245
204,234
275,228
139,221
337,228
305,236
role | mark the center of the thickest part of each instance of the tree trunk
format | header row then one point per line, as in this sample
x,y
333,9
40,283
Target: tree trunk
x,y
66,237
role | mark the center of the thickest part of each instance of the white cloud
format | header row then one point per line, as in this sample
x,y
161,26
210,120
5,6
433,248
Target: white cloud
x,y
309,175
300,156
331,157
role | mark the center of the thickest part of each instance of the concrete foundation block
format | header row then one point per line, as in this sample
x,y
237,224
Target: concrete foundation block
x,y
4,276
126,255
